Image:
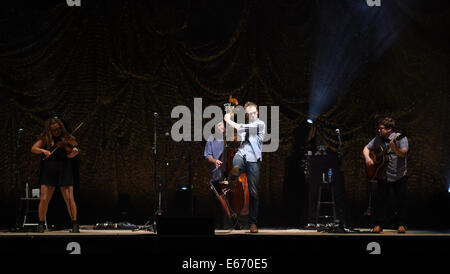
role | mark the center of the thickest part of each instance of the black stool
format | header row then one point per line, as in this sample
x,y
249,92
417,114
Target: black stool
x,y
325,186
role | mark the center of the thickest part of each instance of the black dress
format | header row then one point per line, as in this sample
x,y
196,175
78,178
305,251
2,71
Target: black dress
x,y
56,170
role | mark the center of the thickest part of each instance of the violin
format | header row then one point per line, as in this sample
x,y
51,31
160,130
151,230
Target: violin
x,y
67,143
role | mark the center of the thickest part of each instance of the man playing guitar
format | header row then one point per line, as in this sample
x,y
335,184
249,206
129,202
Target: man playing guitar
x,y
394,177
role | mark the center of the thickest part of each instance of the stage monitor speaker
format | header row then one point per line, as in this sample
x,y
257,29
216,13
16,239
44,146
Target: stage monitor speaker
x,y
184,226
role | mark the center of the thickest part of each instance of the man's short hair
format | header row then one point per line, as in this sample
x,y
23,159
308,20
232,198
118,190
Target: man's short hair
x,y
250,104
387,122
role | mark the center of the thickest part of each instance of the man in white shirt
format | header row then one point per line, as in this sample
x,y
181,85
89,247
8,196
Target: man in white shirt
x,y
249,156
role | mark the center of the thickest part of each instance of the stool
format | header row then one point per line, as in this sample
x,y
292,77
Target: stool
x,y
29,211
325,186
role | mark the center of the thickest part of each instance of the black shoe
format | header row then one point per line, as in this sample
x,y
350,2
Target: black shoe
x,y
75,227
377,229
40,227
401,229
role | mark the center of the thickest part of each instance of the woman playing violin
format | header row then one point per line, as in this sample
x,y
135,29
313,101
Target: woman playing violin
x,y
57,147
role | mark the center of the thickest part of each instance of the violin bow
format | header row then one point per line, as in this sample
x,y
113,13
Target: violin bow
x,y
78,127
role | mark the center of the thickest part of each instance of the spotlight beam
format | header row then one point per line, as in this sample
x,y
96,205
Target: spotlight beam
x,y
349,33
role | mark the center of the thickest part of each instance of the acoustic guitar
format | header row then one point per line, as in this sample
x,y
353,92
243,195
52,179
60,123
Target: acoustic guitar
x,y
380,158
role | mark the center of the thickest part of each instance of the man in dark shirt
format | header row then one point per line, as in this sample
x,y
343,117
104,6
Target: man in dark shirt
x,y
395,176
213,154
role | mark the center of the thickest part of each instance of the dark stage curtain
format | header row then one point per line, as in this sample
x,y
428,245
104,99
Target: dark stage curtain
x,y
112,64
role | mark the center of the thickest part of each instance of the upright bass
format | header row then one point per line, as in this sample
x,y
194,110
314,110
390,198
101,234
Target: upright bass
x,y
233,197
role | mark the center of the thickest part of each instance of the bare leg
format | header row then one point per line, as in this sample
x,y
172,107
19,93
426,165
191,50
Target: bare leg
x,y
46,196
67,193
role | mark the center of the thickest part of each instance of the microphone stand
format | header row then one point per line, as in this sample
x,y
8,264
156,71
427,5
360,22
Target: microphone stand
x,y
156,186
340,144
166,165
341,224
17,171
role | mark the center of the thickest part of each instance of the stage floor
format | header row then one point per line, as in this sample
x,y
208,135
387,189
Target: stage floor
x,y
279,246
89,230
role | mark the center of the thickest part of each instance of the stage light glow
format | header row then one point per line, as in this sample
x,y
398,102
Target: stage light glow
x,y
448,177
349,35
448,181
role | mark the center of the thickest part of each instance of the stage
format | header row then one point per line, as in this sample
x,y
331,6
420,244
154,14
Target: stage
x,y
270,243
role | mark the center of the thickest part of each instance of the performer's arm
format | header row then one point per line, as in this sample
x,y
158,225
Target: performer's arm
x,y
261,132
227,119
366,153
401,152
74,153
209,155
214,161
36,149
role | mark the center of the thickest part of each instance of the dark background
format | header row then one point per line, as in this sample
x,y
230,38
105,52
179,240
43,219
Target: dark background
x,y
112,64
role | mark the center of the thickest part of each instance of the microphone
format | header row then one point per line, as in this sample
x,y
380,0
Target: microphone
x,y
340,142
19,136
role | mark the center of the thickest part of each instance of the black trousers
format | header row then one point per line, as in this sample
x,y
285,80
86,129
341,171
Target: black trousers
x,y
383,203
